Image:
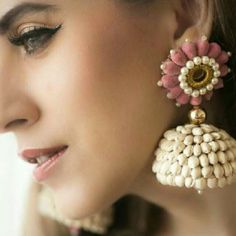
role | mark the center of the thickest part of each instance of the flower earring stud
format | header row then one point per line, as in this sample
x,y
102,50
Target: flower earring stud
x,y
195,155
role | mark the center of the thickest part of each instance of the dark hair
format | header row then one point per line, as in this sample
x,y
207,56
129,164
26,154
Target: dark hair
x,y
148,217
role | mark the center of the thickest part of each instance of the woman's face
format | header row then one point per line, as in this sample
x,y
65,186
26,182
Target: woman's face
x,y
92,86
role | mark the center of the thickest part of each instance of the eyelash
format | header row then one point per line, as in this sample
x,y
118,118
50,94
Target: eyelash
x,y
34,39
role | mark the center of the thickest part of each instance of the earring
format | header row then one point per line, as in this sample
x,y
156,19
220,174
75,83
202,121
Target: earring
x,y
97,223
195,155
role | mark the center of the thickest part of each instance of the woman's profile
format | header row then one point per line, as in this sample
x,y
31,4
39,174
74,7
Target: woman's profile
x,y
127,110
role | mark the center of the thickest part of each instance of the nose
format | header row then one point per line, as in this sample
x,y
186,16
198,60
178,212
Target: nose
x,y
17,114
17,108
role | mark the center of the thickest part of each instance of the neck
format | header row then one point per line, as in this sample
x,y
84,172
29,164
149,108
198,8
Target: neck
x,y
213,212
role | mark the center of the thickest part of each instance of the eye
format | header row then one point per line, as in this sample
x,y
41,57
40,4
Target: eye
x,y
33,38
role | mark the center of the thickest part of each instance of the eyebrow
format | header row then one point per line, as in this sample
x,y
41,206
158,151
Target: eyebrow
x,y
21,10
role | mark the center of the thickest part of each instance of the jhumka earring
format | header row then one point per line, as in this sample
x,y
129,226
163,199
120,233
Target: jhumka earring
x,y
97,223
195,155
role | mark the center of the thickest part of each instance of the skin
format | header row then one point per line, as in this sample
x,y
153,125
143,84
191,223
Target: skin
x,y
93,88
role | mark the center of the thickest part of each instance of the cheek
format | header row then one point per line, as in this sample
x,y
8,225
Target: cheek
x,y
104,84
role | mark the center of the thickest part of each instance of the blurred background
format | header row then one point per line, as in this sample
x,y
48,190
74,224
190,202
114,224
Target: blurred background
x,y
15,177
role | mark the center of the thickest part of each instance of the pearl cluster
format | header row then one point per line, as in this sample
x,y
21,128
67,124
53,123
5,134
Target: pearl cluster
x,y
196,156
183,77
97,223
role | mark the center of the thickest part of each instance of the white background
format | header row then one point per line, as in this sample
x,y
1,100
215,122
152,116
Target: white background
x,y
15,176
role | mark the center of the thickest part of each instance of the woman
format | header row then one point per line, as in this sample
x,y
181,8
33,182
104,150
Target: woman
x,y
86,76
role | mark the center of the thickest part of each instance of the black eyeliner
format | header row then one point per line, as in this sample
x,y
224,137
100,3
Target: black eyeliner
x,y
19,40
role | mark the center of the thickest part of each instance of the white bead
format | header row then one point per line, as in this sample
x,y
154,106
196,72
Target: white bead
x,y
204,38
183,85
190,64
197,151
182,78
175,168
188,91
185,171
222,182
169,95
227,169
207,171
188,151
221,157
203,91
230,179
162,66
212,61
212,182
230,155
218,171
217,73
206,148
184,71
179,181
197,60
216,135
195,93
166,145
198,139
222,144
200,184
172,52
170,134
209,87
165,167
182,159
233,164
178,147
216,66
159,83
214,146
188,182
207,138
214,81
204,160
186,130
193,162
197,131
205,60
188,140
170,179
196,172
213,159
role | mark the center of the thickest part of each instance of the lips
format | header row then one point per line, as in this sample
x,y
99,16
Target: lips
x,y
30,155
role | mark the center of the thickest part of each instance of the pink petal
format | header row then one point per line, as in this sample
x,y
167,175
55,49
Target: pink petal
x,y
178,57
214,50
175,92
171,68
203,47
169,81
220,84
222,58
189,49
208,95
224,70
195,101
183,98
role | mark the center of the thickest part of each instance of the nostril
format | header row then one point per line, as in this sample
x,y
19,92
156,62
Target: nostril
x,y
14,123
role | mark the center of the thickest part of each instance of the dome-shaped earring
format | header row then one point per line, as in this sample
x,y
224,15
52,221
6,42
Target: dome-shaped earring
x,y
195,155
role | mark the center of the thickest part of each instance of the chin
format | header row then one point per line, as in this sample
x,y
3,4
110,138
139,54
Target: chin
x,y
78,204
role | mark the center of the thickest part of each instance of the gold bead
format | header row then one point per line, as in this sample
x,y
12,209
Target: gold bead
x,y
197,115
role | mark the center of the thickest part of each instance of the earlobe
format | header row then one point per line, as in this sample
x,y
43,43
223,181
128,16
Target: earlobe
x,y
194,19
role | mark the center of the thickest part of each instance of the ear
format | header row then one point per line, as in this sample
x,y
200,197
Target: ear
x,y
194,18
